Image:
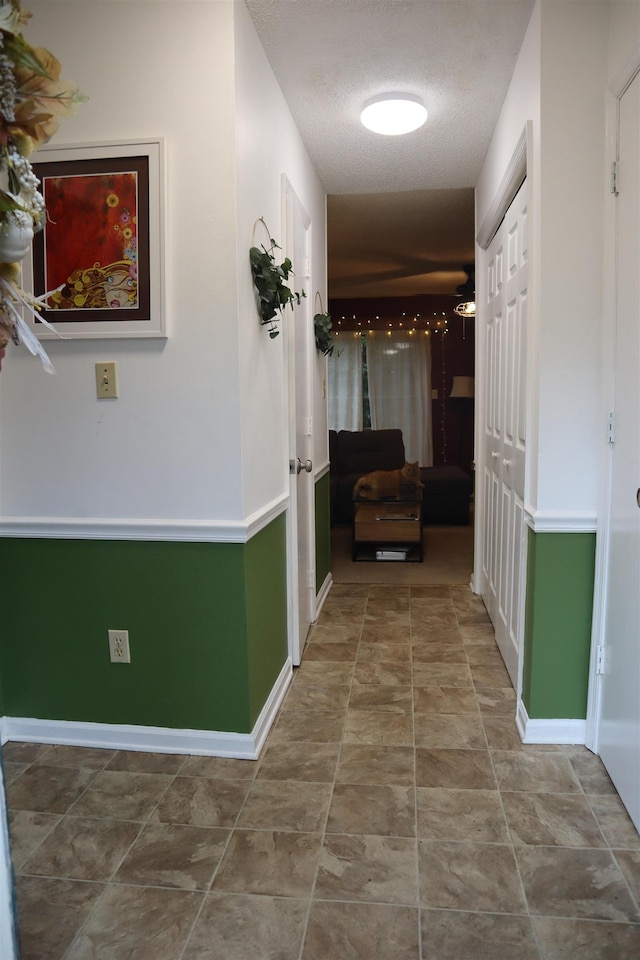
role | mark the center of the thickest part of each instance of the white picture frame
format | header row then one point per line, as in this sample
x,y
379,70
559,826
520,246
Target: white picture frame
x,y
87,221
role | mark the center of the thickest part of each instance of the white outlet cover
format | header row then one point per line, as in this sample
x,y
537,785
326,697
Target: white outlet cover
x,y
119,646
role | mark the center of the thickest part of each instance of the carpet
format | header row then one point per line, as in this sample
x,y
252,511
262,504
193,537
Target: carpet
x,y
448,558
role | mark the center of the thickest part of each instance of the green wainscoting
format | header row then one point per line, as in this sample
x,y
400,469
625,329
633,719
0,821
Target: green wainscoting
x,y
560,577
206,622
323,531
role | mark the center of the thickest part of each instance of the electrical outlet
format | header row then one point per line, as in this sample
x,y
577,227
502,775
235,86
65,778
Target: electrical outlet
x,y
119,646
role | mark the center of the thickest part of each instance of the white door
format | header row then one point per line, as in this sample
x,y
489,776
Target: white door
x,y
619,730
503,435
301,535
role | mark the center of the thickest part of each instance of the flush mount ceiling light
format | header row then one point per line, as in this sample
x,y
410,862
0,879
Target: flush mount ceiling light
x,y
394,113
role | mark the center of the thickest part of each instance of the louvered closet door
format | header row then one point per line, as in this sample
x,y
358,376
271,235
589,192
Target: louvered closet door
x,y
504,429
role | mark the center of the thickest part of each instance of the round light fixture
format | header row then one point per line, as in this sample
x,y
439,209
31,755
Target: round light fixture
x,y
394,113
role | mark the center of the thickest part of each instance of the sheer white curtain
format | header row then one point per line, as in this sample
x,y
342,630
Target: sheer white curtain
x,y
399,367
345,384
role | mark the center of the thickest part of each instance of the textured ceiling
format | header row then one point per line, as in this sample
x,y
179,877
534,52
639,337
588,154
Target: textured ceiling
x,y
329,57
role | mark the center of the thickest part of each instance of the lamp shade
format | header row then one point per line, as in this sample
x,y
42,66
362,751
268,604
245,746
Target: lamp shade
x,y
462,388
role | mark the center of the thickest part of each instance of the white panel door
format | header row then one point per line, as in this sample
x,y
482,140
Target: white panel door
x,y
301,535
619,732
505,334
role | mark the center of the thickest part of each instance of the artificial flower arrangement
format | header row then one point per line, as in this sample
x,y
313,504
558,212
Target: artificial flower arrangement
x,y
33,99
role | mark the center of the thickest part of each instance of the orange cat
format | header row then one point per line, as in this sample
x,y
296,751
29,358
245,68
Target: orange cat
x,y
381,484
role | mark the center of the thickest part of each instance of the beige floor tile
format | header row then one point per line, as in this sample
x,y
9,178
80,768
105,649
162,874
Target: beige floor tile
x,y
308,726
363,726
48,789
136,761
424,632
383,672
391,631
122,795
585,884
614,821
551,819
218,768
586,939
83,849
62,755
354,931
534,772
20,752
629,863
591,773
370,868
299,761
449,732
489,676
474,815
320,671
122,927
454,769
334,634
371,763
430,591
502,734
286,805
381,698
469,876
438,651
437,673
383,810
453,700
240,927
384,652
458,935
201,802
51,912
13,770
173,855
316,696
269,862
340,652
27,831
496,701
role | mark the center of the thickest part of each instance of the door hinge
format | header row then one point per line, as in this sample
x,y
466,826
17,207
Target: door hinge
x,y
305,268
308,426
611,428
614,178
600,659
312,579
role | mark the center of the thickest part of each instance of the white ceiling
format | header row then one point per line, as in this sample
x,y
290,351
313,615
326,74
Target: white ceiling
x,y
329,57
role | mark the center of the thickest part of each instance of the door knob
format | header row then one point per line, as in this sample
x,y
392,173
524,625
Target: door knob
x,y
297,466
506,463
494,455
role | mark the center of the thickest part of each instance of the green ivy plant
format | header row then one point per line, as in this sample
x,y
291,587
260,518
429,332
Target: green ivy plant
x,y
269,280
324,340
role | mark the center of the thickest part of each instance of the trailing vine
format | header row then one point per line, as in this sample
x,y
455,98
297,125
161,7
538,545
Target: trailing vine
x,y
322,327
269,280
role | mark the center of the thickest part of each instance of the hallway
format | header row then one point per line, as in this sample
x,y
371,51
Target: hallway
x,y
394,815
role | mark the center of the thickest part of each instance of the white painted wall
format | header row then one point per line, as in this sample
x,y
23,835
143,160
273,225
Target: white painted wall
x,y
170,447
558,84
268,145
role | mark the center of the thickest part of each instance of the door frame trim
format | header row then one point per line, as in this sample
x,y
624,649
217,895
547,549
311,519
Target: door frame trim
x,y
617,88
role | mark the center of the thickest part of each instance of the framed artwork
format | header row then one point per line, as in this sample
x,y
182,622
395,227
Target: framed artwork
x,y
99,257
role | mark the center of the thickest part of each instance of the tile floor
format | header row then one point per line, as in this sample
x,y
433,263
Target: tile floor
x,y
393,815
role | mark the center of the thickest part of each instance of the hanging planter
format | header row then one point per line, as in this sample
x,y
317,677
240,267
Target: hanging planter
x,y
269,280
322,326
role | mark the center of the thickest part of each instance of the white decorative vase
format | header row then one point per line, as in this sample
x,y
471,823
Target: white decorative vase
x,y
16,234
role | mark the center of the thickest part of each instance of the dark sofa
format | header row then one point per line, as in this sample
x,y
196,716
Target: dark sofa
x,y
446,496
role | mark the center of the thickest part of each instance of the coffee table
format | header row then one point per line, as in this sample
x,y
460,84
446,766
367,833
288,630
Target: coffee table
x,y
387,526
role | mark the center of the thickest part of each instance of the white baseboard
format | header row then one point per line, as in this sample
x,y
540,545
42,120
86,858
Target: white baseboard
x,y
549,731
123,736
323,593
